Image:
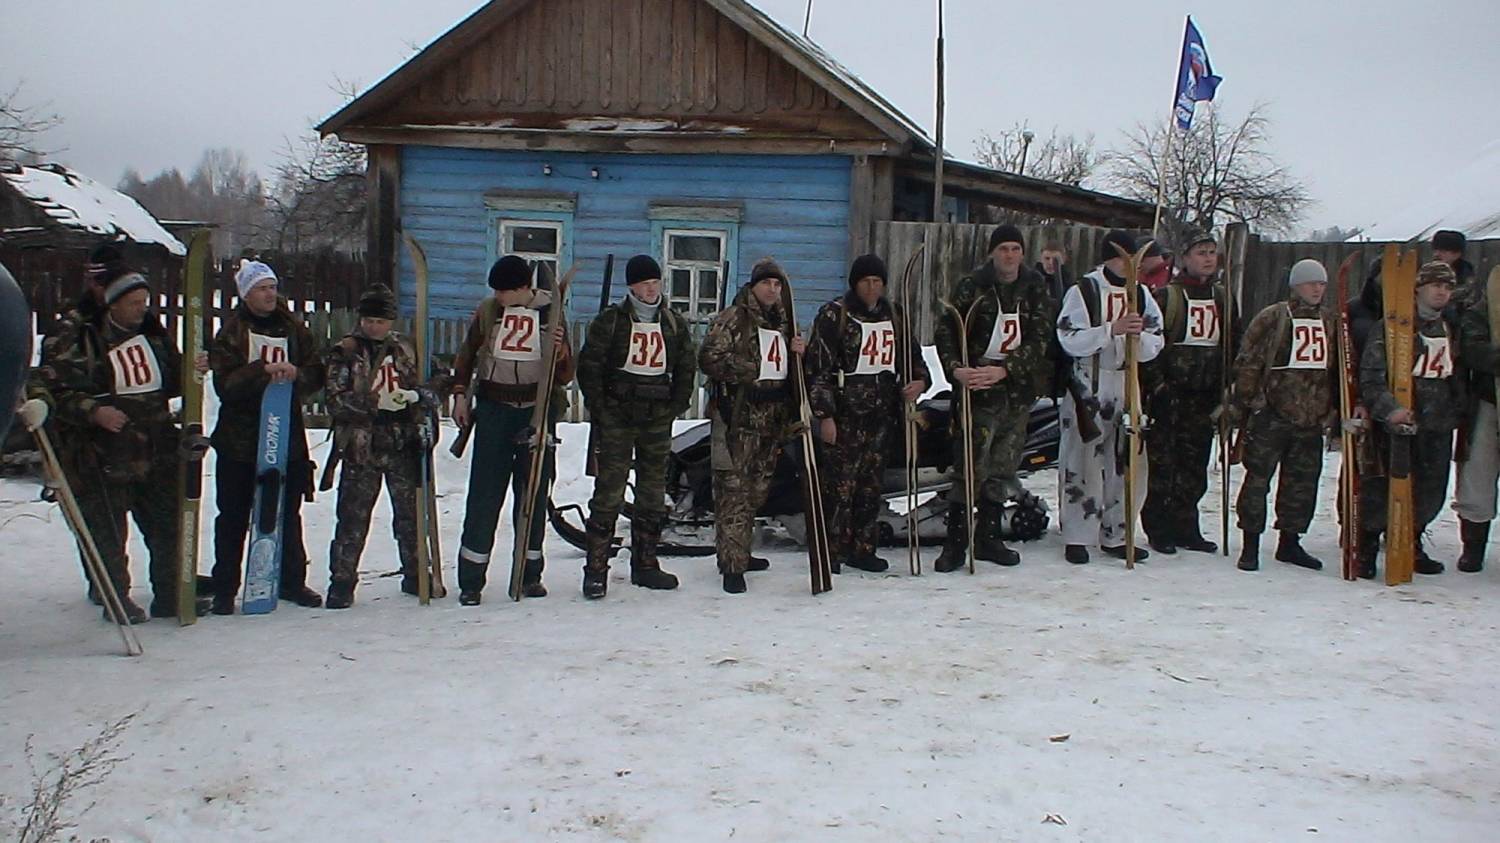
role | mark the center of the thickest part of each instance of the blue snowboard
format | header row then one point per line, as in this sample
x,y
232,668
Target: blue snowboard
x,y
263,562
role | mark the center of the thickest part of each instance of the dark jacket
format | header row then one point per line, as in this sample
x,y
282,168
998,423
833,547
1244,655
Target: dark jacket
x,y
240,381
835,347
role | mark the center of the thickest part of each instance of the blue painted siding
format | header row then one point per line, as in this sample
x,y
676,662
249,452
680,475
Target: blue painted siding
x,y
796,208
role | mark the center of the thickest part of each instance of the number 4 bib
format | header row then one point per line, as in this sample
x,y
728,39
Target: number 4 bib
x,y
647,353
136,369
772,355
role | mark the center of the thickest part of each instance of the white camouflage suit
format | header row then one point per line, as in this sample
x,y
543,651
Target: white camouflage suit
x,y
1093,489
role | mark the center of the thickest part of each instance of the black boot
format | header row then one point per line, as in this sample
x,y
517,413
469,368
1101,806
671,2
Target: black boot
x,y
531,579
1118,552
645,568
1424,564
301,595
340,595
597,550
1076,554
956,543
1475,536
223,603
758,563
1369,548
1191,538
734,583
469,598
1161,542
872,563
134,614
1289,549
1250,552
987,544
409,585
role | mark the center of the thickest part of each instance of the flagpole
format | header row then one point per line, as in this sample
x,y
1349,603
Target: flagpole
x,y
1161,175
937,166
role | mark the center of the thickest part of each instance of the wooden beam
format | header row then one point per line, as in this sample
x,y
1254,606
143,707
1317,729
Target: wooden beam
x,y
652,142
861,204
383,178
884,204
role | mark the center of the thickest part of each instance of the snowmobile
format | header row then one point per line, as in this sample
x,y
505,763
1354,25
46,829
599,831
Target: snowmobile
x,y
689,526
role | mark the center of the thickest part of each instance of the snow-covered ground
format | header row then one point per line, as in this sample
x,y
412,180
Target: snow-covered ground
x,y
1182,701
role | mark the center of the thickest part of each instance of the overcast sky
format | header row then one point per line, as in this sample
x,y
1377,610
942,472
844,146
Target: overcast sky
x,y
1370,101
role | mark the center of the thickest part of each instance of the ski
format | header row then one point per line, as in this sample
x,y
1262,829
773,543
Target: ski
x,y
966,425
1398,275
1349,526
591,462
820,566
263,562
194,444
909,419
429,553
540,431
1134,419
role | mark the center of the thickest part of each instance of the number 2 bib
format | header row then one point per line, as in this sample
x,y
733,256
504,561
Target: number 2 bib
x,y
385,380
1202,323
136,368
1309,345
877,348
647,352
772,355
516,335
1005,338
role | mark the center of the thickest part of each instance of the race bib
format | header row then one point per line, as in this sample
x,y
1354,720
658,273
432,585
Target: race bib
x,y
264,349
773,353
517,335
1115,305
1202,323
136,368
647,352
1005,338
1435,359
385,381
877,348
1309,345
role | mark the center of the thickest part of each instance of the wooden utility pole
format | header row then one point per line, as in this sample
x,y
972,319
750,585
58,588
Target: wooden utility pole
x,y
937,154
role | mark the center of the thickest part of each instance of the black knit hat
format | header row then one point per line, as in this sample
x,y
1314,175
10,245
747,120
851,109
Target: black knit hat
x,y
767,268
377,301
865,266
1449,240
1006,234
1117,237
104,258
510,273
642,268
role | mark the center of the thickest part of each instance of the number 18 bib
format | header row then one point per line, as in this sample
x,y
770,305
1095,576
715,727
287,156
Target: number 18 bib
x,y
136,369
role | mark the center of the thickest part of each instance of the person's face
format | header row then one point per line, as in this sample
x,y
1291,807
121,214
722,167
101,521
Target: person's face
x,y
1008,257
1312,292
518,297
767,292
262,298
129,310
1434,296
870,289
1450,258
1202,260
1051,261
1151,263
374,327
648,291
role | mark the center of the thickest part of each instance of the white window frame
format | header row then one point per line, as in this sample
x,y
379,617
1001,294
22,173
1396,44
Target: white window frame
x,y
504,235
694,307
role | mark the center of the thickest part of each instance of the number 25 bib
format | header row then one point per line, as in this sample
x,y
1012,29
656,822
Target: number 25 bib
x,y
1309,345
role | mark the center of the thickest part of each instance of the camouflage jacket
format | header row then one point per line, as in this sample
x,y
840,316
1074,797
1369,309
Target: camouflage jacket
x,y
982,297
240,379
63,334
842,339
134,371
731,358
616,395
359,370
1181,367
1438,401
1307,398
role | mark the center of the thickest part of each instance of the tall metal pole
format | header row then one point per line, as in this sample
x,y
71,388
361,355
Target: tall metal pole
x,y
807,19
937,154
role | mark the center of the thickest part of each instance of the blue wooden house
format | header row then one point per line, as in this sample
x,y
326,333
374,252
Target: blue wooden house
x,y
698,131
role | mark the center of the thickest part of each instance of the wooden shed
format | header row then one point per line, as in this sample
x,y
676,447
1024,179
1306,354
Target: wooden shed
x,y
699,131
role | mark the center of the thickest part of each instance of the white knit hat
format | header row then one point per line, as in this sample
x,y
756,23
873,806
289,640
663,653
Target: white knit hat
x,y
251,274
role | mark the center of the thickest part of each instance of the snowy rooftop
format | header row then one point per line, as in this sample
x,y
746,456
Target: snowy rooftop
x,y
76,201
1469,201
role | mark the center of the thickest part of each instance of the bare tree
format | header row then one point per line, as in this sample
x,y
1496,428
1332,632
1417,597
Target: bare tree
x,y
1218,172
222,189
22,127
318,197
1064,159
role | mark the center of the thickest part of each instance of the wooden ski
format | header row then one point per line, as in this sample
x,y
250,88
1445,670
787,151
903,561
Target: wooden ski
x,y
194,444
966,422
820,565
909,418
1398,275
1349,523
1133,416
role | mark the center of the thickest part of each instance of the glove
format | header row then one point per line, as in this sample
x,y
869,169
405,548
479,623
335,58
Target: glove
x,y
33,413
397,400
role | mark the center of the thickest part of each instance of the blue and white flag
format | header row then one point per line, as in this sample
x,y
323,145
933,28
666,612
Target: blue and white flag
x,y
1196,81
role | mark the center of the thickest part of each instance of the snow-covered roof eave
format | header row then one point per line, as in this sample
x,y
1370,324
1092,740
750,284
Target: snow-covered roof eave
x,y
73,200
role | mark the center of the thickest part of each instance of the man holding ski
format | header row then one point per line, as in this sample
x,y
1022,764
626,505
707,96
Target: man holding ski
x,y
1190,375
857,389
747,355
1092,326
378,405
1285,398
495,377
261,342
636,371
1007,321
1438,401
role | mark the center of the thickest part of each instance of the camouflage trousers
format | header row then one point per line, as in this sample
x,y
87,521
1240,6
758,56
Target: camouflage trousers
x,y
743,462
1272,443
849,472
359,487
1093,476
1178,447
999,438
152,503
621,447
1431,454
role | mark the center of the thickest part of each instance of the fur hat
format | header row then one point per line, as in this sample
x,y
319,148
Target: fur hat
x,y
377,301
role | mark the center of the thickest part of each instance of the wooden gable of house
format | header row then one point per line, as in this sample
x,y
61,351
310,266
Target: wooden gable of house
x,y
664,69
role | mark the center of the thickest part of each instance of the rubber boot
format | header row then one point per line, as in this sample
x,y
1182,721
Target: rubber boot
x,y
1191,538
340,595
1475,536
597,547
1249,552
1369,548
987,544
1289,549
1424,564
645,568
956,543
531,579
